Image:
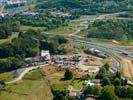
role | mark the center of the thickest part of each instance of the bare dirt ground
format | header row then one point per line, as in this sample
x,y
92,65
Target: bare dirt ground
x,y
52,71
127,67
94,61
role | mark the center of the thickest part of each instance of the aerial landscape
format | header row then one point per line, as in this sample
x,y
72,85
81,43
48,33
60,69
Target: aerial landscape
x,y
66,49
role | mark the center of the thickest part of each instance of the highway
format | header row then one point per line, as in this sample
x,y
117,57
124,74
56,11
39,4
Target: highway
x,y
101,46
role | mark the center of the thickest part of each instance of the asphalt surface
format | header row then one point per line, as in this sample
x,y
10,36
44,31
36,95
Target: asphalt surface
x,y
102,46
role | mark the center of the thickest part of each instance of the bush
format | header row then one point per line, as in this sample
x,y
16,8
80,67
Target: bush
x,y
68,75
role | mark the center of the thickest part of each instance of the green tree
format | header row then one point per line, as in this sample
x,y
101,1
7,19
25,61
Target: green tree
x,y
5,65
117,82
108,93
16,26
68,74
123,82
62,40
106,66
121,92
59,95
17,62
102,70
93,90
105,81
118,74
101,73
130,92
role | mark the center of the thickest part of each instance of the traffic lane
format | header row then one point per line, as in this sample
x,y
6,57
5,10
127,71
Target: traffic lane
x,y
116,50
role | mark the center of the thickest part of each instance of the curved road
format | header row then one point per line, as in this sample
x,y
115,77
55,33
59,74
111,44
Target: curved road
x,y
23,73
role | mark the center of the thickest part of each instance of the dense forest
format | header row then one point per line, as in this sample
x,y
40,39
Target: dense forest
x,y
10,24
111,29
88,6
42,20
7,26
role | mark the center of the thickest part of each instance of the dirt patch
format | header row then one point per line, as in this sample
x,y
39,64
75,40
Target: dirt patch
x,y
95,61
52,70
55,72
79,74
127,68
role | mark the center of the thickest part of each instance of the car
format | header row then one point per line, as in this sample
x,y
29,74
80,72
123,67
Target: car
x,y
125,53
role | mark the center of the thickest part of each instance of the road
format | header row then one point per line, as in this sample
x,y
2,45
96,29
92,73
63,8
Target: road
x,y
125,65
101,46
23,73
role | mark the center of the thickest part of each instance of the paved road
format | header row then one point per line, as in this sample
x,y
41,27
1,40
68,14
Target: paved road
x,y
103,46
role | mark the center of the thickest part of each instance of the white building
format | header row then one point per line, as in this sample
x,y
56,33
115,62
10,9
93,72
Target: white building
x,y
45,53
92,82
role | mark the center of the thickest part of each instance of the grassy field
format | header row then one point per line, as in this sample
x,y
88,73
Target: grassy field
x,y
32,87
55,76
6,76
8,40
37,85
77,84
65,31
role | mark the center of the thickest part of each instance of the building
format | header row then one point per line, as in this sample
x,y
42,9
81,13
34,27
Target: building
x,y
45,53
90,69
98,53
92,82
73,92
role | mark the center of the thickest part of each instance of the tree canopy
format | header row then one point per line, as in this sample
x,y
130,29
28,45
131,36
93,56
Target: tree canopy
x,y
68,74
